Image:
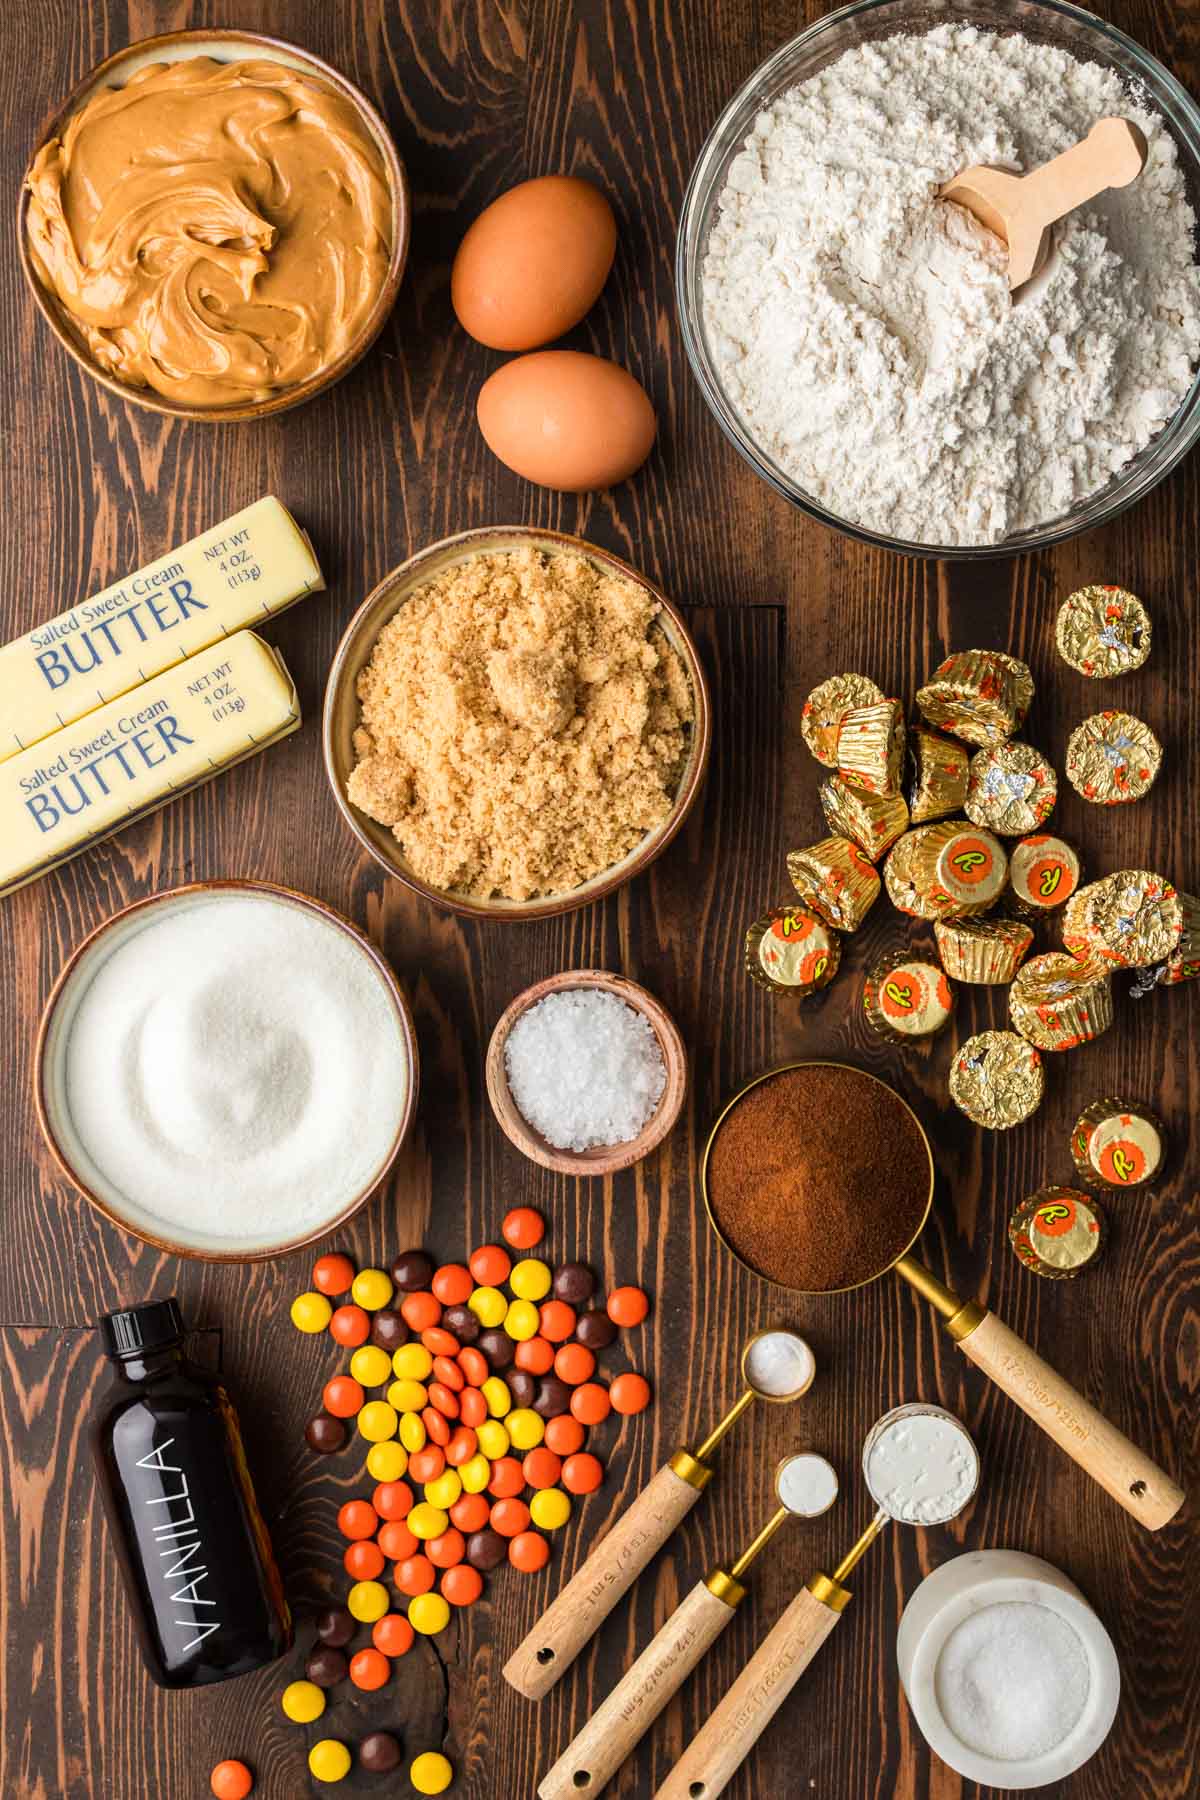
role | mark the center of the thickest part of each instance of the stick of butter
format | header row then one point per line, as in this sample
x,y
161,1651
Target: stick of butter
x,y
238,573
137,753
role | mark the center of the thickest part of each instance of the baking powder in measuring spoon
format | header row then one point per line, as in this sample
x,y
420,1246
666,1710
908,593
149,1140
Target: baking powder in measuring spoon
x,y
921,1465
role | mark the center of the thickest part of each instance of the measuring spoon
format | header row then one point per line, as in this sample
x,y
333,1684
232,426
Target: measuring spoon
x,y
722,1744
776,1366
806,1486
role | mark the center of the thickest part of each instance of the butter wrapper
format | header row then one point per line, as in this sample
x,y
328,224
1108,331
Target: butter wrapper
x,y
137,753
1118,1144
979,695
791,951
1113,758
1103,631
1059,1002
241,572
1057,1232
872,821
1010,789
997,1079
938,776
870,747
1130,920
836,880
985,952
827,706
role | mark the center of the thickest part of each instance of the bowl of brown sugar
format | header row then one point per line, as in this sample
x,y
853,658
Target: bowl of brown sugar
x,y
516,723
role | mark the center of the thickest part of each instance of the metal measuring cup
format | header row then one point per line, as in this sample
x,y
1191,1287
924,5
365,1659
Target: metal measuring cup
x,y
569,1622
806,1485
725,1740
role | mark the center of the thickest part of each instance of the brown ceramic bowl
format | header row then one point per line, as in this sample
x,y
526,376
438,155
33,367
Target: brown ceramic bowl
x,y
341,718
605,1159
50,1087
226,46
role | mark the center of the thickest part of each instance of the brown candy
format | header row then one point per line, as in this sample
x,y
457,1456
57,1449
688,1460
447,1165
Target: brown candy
x,y
380,1753
388,1330
498,1347
595,1330
412,1271
574,1283
325,1434
486,1549
336,1627
326,1666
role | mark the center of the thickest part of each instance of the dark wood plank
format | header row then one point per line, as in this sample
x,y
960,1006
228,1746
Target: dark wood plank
x,y
479,95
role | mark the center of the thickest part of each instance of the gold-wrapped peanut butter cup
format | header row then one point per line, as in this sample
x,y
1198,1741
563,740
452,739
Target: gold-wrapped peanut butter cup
x,y
1011,788
1112,759
938,769
1057,1232
872,821
959,868
1118,1144
870,747
997,1079
979,695
1043,873
1058,1001
899,875
827,706
1103,631
791,951
836,880
985,952
1132,920
906,997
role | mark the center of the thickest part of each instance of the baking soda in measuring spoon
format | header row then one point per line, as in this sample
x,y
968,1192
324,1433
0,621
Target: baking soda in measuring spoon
x,y
921,1465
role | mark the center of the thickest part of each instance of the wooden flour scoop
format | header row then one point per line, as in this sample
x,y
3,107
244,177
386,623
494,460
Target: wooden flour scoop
x,y
1020,209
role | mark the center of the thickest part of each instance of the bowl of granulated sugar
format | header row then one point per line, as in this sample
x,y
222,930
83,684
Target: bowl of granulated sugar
x,y
586,1072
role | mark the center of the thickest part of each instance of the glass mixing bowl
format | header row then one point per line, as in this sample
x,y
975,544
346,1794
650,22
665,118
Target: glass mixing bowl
x,y
1046,21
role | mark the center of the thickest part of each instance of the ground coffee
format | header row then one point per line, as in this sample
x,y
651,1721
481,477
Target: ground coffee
x,y
819,1177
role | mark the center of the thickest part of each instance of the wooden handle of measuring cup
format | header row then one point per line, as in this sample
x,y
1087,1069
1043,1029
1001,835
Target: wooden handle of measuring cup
x,y
1140,1486
593,1757
592,1592
722,1744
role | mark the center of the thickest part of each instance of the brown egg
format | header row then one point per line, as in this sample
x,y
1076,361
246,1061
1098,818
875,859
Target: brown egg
x,y
533,262
566,420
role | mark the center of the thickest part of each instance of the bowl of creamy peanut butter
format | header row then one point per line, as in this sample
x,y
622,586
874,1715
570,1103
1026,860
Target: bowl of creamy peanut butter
x,y
215,224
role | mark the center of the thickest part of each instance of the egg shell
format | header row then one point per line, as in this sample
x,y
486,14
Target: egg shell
x,y
567,420
533,262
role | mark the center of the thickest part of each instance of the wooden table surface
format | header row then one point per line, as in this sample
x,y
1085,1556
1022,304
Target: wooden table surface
x,y
481,94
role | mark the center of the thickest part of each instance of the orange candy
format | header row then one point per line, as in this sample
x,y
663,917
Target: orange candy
x,y
397,1542
445,1551
490,1265
590,1403
535,1355
420,1311
564,1435
358,1519
369,1669
343,1397
574,1364
472,1408
332,1274
415,1575
452,1284
392,1499
363,1560
447,1371
582,1473
529,1552
231,1780
470,1512
523,1228
392,1635
541,1468
474,1364
462,1585
507,1478
462,1446
629,1393
427,1464
349,1327
439,1342
444,1398
627,1306
558,1321
437,1429
510,1517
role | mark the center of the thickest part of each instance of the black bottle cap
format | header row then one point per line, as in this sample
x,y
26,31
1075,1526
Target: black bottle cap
x,y
142,1328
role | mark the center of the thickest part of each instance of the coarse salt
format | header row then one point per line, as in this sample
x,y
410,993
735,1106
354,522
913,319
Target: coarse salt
x,y
584,1068
1013,1680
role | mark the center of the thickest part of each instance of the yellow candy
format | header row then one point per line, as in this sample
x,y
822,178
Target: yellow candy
x,y
366,1601
311,1312
428,1613
431,1773
498,1398
492,1439
445,1490
425,1521
531,1279
549,1508
522,1319
489,1306
525,1427
386,1462
476,1472
412,1362
408,1396
371,1365
378,1421
330,1761
412,1432
302,1701
371,1289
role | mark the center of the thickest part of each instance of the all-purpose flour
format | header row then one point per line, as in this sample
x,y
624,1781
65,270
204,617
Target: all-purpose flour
x,y
864,329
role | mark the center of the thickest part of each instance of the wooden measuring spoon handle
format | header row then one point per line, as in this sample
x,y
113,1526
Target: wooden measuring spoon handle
x,y
1111,155
614,1565
722,1744
595,1754
1140,1486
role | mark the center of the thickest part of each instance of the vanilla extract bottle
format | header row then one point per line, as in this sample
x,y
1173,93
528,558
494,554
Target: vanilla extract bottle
x,y
197,1563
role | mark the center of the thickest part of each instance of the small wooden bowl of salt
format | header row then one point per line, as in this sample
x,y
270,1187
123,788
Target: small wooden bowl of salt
x,y
586,1072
